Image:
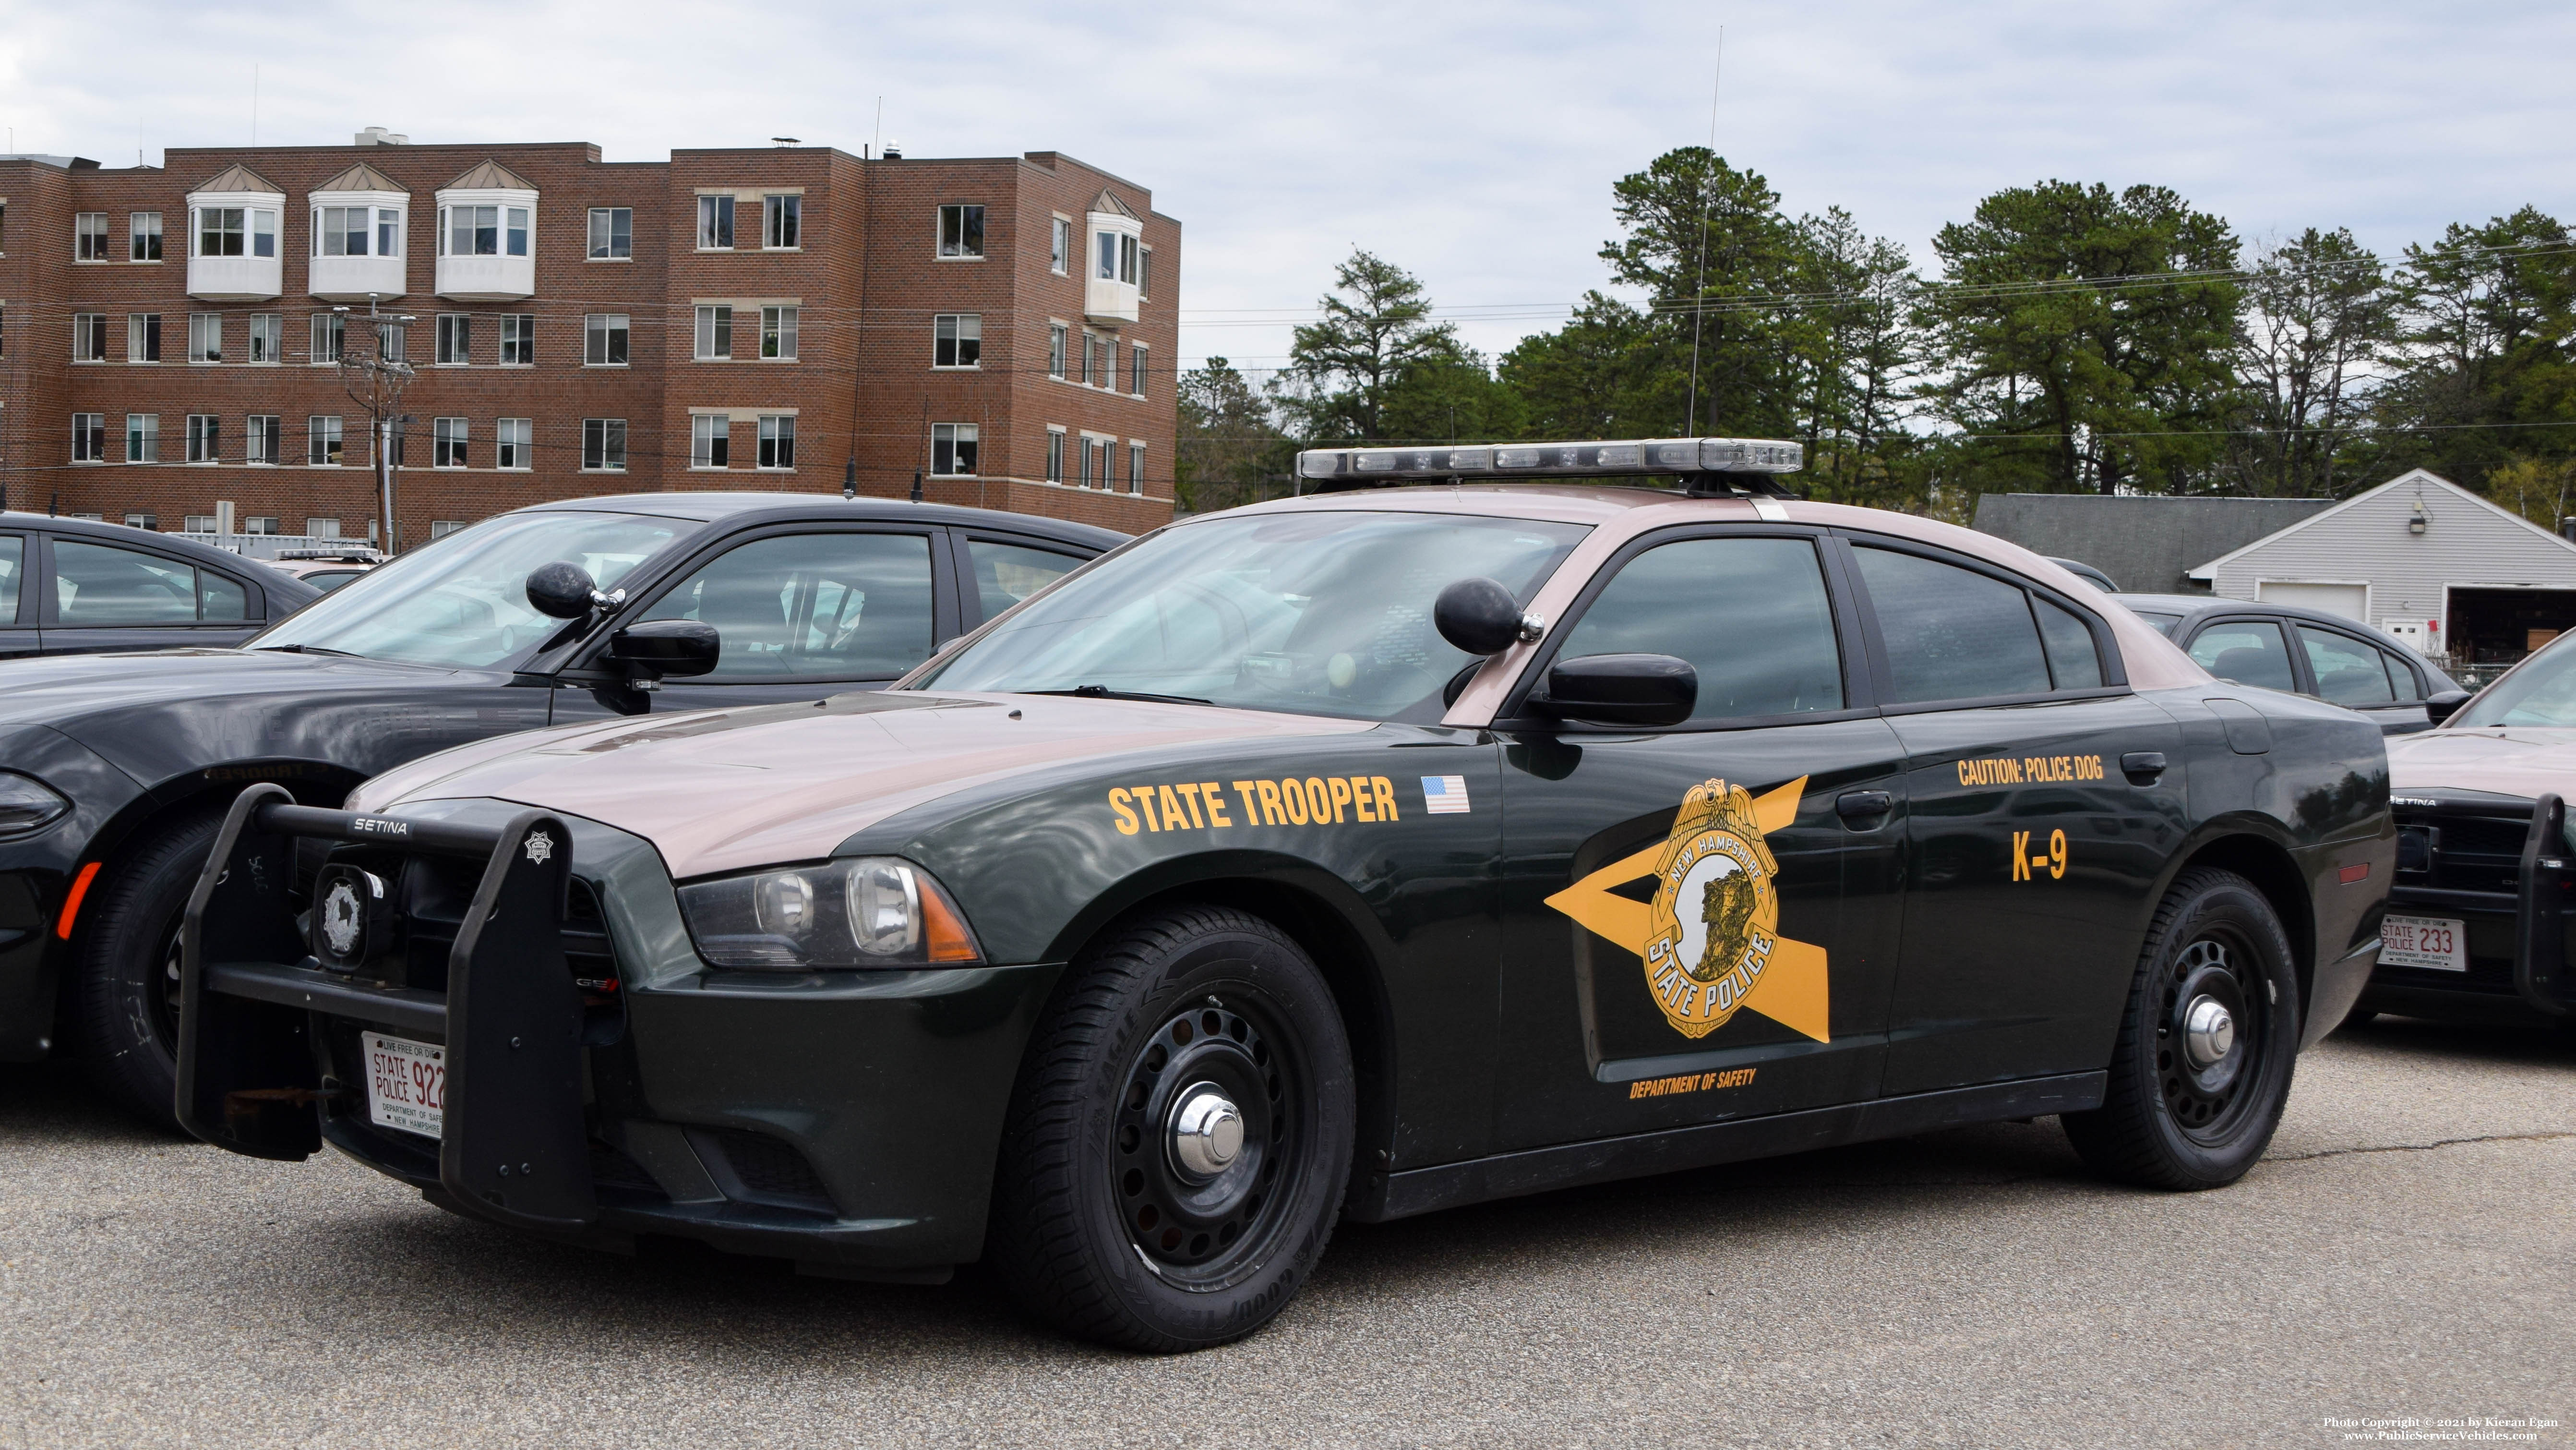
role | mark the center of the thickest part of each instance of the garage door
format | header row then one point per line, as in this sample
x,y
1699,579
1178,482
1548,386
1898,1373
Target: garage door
x,y
2348,600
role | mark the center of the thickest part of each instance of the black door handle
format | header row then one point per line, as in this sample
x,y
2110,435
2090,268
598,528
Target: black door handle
x,y
2143,766
1856,806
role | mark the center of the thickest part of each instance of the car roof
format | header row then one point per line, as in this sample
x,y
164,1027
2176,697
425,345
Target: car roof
x,y
294,590
2193,606
743,508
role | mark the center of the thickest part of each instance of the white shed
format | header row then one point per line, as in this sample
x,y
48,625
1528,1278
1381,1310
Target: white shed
x,y
2423,559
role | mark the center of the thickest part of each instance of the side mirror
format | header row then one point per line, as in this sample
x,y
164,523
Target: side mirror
x,y
656,648
562,591
1481,617
1620,690
2443,706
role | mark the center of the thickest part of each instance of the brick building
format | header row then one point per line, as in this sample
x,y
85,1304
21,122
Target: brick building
x,y
759,318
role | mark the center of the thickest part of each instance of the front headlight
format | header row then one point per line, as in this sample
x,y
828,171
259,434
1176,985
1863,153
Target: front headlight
x,y
875,911
28,804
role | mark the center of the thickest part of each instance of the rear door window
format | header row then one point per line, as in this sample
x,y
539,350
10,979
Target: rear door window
x,y
2348,671
2247,653
1952,633
104,584
13,567
831,606
1751,616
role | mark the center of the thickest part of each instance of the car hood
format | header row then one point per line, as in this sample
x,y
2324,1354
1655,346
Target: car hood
x,y
726,790
2515,761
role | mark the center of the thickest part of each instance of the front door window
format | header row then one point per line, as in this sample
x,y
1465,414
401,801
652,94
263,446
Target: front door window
x,y
798,607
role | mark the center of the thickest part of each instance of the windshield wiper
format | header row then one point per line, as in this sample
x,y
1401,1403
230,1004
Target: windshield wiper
x,y
307,649
1103,692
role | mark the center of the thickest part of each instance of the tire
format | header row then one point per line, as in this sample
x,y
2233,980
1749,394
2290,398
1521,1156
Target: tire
x,y
2173,1115
1113,1223
126,1008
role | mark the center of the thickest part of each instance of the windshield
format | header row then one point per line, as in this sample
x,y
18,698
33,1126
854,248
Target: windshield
x,y
2541,692
1313,613
463,601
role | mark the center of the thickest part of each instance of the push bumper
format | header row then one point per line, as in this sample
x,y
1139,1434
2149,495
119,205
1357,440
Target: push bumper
x,y
2517,938
846,1121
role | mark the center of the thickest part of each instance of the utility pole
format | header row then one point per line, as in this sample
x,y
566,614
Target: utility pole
x,y
375,382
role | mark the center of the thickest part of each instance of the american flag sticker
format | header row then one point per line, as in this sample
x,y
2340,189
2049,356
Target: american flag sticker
x,y
1444,795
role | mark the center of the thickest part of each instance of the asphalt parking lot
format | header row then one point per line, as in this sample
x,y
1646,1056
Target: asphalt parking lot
x,y
2406,1250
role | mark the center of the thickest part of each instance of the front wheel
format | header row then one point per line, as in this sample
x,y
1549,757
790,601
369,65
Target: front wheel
x,y
128,1003
2202,1067
1179,1137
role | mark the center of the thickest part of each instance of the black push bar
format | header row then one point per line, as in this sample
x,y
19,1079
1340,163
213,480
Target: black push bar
x,y
255,1074
2540,950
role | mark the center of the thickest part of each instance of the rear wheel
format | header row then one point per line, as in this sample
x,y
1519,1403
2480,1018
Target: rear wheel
x,y
127,1007
1179,1136
2202,1067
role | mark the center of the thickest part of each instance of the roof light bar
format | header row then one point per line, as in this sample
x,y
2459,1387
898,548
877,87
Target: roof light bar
x,y
1349,466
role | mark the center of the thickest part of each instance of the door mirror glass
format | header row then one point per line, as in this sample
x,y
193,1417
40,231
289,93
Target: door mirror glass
x,y
834,606
2245,654
2444,704
562,591
1628,689
655,648
1750,616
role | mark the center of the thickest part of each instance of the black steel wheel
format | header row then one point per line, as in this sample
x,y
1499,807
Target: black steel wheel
x,y
1179,1135
2202,1067
126,1013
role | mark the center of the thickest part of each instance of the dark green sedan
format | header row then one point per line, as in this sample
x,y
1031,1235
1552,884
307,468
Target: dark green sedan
x,y
1443,835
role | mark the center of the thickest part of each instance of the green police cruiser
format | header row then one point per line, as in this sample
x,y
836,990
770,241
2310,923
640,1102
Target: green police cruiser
x,y
1467,827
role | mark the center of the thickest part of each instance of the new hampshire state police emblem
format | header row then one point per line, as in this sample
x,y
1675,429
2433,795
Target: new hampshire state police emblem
x,y
1709,940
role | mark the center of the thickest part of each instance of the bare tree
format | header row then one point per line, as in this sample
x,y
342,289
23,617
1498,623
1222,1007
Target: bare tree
x,y
2318,316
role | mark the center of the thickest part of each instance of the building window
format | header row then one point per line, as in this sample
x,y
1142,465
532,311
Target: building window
x,y
1060,247
455,337
205,337
1144,273
478,231
510,446
781,218
143,337
267,337
1055,445
518,339
447,443
321,528
606,345
961,231
1109,464
142,437
260,524
232,231
322,442
143,236
389,222
603,444
1055,349
778,333
1087,350
1135,468
145,522
330,335
89,337
1087,454
1136,370
612,233
392,341
777,441
710,441
952,446
89,236
957,340
260,438
205,438
715,223
715,333
89,437
342,231
441,528
197,523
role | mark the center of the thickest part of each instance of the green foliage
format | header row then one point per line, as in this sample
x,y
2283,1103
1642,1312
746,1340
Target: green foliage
x,y
2317,318
1230,450
2487,347
1342,370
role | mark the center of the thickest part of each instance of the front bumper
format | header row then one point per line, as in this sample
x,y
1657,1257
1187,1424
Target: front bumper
x,y
848,1121
2504,870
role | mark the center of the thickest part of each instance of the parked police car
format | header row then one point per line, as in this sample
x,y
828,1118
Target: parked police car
x,y
1365,853
115,769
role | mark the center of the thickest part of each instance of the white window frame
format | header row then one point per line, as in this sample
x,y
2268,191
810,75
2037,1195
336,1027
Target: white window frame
x,y
715,223
137,232
330,339
519,335
325,441
513,445
603,439
1055,454
205,438
325,230
962,441
142,437
785,209
606,339
267,339
959,338
1144,273
89,438
261,435
946,251
604,244
1137,355
1057,333
451,443
320,528
89,236
778,326
455,340
441,528
89,337
1060,245
711,441
1135,467
143,337
777,447
714,333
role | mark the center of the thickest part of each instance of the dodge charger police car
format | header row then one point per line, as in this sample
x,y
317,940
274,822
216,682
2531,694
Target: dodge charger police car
x,y
1439,836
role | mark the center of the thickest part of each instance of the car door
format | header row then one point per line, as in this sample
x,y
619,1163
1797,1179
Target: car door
x,y
996,571
1701,922
2044,799
112,596
805,611
2247,651
18,634
2360,676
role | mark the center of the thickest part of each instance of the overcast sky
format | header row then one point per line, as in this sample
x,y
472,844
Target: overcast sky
x,y
1473,144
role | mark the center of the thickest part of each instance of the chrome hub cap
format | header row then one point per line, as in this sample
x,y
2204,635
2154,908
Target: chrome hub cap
x,y
2209,1031
1206,1132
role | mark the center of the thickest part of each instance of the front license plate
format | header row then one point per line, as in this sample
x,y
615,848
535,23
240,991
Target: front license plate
x,y
406,1084
2437,943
